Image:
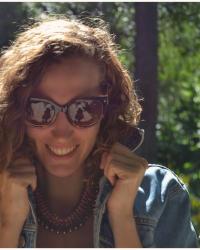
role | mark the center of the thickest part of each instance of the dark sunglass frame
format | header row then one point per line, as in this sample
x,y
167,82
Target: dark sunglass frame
x,y
64,108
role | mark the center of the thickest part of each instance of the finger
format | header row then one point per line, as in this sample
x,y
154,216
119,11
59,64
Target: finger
x,y
124,159
115,171
130,159
109,173
130,164
21,167
118,155
22,160
22,170
111,176
103,160
129,167
25,179
119,150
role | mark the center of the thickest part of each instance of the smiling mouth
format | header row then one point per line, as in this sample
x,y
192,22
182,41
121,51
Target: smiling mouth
x,y
62,151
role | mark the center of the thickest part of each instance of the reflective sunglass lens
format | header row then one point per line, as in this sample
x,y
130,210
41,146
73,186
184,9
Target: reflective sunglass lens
x,y
85,112
40,113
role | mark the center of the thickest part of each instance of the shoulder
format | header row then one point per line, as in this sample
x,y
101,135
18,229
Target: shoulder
x,y
162,207
159,185
162,179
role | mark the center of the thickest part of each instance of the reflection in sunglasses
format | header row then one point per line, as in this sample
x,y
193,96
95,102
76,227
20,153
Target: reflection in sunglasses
x,y
82,112
79,111
42,112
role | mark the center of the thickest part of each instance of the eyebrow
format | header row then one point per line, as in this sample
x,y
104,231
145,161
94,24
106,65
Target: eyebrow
x,y
88,92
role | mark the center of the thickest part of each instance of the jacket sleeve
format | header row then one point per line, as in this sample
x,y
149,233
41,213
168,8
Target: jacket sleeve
x,y
174,227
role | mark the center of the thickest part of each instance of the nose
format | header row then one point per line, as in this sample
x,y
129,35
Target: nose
x,y
62,128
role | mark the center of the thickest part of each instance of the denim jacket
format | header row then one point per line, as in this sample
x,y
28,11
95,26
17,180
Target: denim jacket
x,y
161,211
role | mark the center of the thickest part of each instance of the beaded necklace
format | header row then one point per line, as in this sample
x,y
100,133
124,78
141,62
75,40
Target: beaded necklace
x,y
76,219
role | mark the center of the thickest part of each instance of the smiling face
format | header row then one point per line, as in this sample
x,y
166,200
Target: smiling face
x,y
61,147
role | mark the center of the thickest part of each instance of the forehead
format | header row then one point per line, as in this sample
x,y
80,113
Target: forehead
x,y
69,78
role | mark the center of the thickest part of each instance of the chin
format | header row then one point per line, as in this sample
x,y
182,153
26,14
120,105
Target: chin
x,y
60,170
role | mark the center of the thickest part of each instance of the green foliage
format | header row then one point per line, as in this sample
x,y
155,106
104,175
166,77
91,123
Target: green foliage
x,y
12,16
178,127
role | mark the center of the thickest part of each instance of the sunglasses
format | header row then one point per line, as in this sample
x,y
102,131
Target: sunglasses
x,y
80,112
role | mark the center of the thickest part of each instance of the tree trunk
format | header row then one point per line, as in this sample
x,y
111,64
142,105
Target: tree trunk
x,y
146,72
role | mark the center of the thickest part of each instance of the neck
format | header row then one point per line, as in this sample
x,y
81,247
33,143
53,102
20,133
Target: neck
x,y
62,193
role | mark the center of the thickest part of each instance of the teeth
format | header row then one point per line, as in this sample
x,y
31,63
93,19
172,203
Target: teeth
x,y
61,151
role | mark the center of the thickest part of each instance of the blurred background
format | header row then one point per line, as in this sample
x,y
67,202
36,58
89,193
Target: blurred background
x,y
160,46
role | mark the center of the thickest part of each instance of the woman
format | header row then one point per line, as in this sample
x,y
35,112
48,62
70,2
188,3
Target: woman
x,y
66,178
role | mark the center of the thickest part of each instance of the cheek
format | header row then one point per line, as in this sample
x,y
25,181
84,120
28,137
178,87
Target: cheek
x,y
90,135
37,135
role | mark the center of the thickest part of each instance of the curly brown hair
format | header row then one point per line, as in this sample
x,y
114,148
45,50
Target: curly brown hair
x,y
23,64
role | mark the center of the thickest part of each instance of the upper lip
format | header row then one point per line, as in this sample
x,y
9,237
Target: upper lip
x,y
62,151
61,146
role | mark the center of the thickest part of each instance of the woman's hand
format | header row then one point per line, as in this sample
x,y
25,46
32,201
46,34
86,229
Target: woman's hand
x,y
125,171
14,205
